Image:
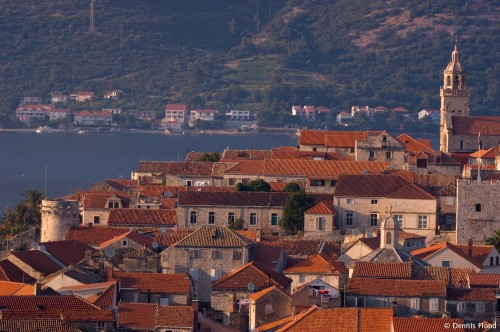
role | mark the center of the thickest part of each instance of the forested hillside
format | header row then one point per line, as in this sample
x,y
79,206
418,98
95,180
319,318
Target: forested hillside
x,y
264,55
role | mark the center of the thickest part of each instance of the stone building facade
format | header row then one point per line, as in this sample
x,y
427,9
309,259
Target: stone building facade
x,y
381,147
477,210
58,217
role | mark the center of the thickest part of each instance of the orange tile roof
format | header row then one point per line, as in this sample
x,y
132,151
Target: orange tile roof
x,y
319,263
485,280
267,253
132,235
37,260
289,152
255,273
233,155
472,125
324,207
50,302
395,287
46,324
8,288
344,139
472,294
97,200
397,270
418,324
155,282
170,237
272,326
176,167
392,186
176,316
407,236
490,153
68,251
142,217
312,137
95,235
137,316
343,319
106,298
257,296
214,236
479,253
10,272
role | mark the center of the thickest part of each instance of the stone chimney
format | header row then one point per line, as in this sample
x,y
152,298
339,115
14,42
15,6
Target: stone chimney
x,y
258,235
469,249
109,275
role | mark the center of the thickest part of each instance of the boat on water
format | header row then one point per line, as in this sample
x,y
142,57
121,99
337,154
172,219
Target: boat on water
x,y
81,131
44,130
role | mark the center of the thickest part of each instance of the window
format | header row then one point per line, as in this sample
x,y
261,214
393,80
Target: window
x,y
211,218
163,301
388,238
450,200
479,306
388,155
124,243
421,163
100,326
215,274
461,145
422,221
274,219
192,217
189,183
372,154
194,253
446,263
360,302
415,303
320,223
302,278
253,219
491,261
230,217
317,183
374,201
236,254
349,201
97,219
373,219
216,254
461,306
232,182
349,218
333,183
434,304
400,220
478,207
496,260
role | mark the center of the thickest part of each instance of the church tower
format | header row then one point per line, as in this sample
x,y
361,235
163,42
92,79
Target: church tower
x,y
455,95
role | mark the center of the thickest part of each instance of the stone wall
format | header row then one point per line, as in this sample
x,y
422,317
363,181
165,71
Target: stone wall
x,y
402,306
58,217
473,196
89,216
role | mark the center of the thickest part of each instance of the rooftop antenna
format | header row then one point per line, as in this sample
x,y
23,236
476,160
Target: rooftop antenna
x,y
45,182
91,29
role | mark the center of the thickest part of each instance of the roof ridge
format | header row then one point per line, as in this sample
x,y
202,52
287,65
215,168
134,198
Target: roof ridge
x,y
297,318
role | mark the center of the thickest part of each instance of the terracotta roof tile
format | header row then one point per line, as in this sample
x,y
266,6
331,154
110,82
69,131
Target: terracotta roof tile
x,y
37,260
258,295
105,298
98,200
472,294
67,251
137,316
132,235
267,253
233,155
289,152
454,277
318,264
176,107
58,302
28,325
259,275
169,238
96,235
396,287
485,280
303,247
407,236
344,320
10,272
175,316
214,236
272,326
324,207
379,186
250,234
176,167
396,270
8,288
472,125
142,217
417,324
155,282
479,253
490,153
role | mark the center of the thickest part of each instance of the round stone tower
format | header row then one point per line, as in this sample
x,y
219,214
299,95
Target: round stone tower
x,y
58,217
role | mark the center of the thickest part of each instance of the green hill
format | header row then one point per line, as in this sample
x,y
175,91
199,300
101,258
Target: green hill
x,y
265,55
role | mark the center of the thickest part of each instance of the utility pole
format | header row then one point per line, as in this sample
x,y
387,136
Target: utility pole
x,y
91,29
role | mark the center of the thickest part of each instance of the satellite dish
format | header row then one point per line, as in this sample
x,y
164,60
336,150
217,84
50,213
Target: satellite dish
x,y
154,245
34,246
251,287
110,252
163,229
43,249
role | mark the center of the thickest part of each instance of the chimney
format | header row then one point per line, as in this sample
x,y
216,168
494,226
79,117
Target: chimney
x,y
109,274
37,288
469,249
258,235
195,304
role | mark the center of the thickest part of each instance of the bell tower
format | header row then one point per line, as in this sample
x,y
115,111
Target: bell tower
x,y
455,95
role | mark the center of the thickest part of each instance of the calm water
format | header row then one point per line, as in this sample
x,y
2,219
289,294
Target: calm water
x,y
73,161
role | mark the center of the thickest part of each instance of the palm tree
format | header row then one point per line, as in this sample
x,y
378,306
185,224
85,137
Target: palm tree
x,y
494,240
33,200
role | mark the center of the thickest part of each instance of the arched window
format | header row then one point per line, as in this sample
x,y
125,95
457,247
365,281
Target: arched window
x,y
478,207
389,238
448,81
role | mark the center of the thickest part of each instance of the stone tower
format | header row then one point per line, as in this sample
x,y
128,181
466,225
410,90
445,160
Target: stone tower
x,y
455,95
389,233
58,217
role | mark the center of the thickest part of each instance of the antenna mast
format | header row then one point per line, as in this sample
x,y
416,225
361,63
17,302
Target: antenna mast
x,y
91,29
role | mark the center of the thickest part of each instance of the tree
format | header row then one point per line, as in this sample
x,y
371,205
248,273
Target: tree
x,y
213,157
237,224
293,212
32,201
260,185
291,187
494,240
